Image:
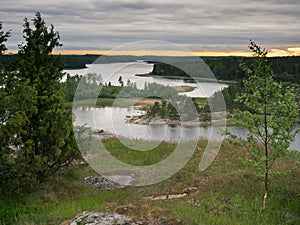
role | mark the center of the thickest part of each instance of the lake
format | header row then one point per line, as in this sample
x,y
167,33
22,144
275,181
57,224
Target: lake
x,y
113,119
111,73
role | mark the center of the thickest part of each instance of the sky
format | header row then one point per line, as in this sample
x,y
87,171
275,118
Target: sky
x,y
207,26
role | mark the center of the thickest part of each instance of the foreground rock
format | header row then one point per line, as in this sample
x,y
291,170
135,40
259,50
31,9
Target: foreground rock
x,y
91,218
100,182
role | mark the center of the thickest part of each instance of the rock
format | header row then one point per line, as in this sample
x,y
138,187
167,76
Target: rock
x,y
219,115
97,131
104,218
189,189
165,197
102,134
100,182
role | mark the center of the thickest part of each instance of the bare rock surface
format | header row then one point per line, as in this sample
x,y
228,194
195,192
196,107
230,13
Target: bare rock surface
x,y
105,218
101,182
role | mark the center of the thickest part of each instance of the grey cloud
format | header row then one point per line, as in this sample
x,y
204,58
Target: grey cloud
x,y
102,24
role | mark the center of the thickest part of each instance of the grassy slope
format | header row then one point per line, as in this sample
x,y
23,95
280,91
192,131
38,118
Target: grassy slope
x,y
227,193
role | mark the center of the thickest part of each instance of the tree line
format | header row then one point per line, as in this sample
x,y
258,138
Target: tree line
x,y
286,69
70,61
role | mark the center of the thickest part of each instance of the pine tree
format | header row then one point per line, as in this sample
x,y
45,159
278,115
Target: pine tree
x,y
37,136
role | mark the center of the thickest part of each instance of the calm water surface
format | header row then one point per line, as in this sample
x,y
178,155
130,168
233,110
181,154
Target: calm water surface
x,y
112,72
113,119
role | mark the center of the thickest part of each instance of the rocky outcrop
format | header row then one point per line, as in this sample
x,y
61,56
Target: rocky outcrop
x,y
110,181
143,120
104,218
100,182
156,120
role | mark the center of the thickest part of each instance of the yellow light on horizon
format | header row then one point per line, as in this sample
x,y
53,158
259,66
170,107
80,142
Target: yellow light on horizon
x,y
292,51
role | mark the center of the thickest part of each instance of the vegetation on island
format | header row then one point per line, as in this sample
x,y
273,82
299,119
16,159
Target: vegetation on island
x,y
91,86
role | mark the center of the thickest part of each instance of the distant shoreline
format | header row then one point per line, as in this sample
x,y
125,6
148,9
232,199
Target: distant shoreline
x,y
210,80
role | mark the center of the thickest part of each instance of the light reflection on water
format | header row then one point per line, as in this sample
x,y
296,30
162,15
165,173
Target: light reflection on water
x,y
113,119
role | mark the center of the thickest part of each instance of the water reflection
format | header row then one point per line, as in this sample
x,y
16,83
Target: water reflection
x,y
113,119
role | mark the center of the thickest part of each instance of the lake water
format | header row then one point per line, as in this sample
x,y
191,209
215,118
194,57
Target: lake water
x,y
113,119
112,72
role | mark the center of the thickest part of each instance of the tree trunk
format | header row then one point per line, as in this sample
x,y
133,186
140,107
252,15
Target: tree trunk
x,y
265,200
266,152
266,183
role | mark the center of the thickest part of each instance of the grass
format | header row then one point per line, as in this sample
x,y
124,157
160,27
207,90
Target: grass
x,y
120,102
102,102
227,192
139,158
200,101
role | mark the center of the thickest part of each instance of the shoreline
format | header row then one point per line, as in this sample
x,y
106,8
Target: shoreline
x,y
142,120
198,79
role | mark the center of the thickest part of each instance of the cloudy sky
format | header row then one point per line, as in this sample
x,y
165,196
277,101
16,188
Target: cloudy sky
x,y
196,24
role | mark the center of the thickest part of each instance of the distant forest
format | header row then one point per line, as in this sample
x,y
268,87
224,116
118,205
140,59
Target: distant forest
x,y
71,61
286,69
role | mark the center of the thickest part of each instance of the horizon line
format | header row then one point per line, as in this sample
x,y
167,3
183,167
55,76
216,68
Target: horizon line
x,y
271,53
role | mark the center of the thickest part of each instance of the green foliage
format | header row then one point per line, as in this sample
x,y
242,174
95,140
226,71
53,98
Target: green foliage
x,y
70,86
3,38
230,94
271,111
78,61
179,108
286,69
92,86
36,128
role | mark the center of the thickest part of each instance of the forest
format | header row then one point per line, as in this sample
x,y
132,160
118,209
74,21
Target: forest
x,y
286,69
